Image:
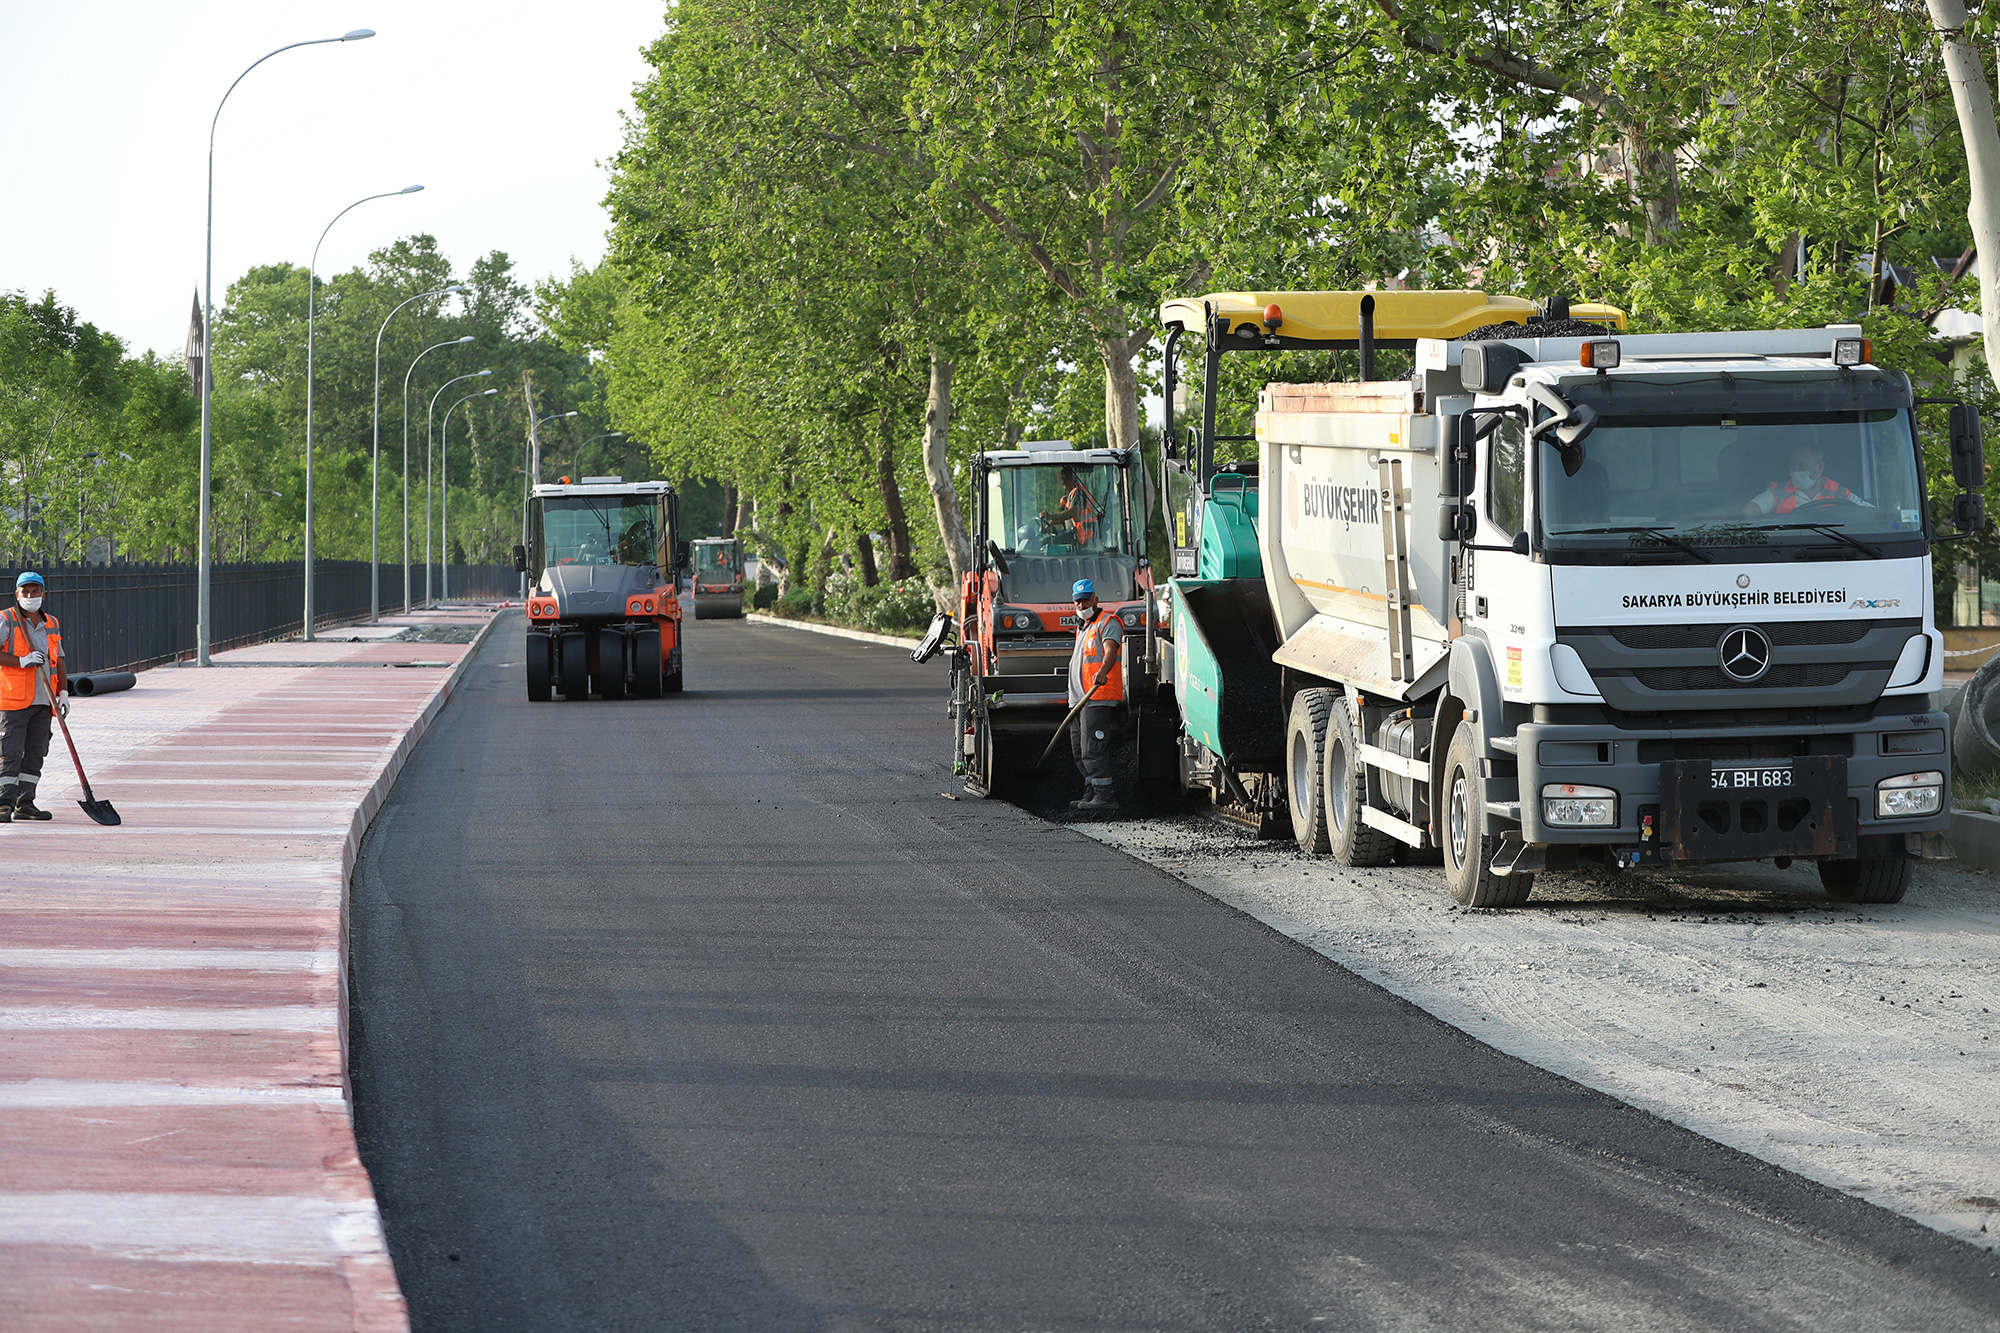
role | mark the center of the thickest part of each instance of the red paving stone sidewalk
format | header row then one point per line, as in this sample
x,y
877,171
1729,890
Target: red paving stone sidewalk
x,y
176,1149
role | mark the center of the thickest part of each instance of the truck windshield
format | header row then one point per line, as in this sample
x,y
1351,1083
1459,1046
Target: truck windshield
x,y
600,530
1058,509
1743,480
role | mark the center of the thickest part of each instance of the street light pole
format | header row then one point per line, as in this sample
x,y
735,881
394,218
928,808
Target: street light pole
x,y
430,416
444,498
202,608
449,342
375,469
577,466
312,279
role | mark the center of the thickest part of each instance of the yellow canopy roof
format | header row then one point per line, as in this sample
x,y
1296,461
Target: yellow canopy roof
x,y
1335,317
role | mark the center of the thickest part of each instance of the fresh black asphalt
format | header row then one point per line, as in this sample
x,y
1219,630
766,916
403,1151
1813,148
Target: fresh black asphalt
x,y
710,1013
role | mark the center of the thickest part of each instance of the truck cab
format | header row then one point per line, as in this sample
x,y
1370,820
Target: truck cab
x,y
604,615
718,578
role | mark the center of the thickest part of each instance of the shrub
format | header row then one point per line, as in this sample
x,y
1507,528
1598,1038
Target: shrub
x,y
796,604
765,597
903,606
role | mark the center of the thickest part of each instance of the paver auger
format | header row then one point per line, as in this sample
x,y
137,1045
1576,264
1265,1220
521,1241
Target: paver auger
x,y
604,617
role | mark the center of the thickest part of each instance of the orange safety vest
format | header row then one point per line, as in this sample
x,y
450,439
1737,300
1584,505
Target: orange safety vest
x,y
1083,505
1097,650
1790,497
17,683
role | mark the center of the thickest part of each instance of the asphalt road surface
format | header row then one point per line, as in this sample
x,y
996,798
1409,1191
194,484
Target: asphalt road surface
x,y
710,1013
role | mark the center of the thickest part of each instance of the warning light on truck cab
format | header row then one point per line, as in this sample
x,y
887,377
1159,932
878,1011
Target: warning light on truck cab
x,y
1601,354
1273,317
1853,351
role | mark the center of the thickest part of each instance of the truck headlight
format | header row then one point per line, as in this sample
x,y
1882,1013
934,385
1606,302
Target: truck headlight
x,y
1910,794
1567,805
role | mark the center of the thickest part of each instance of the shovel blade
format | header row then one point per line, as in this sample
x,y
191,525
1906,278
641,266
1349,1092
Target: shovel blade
x,y
100,811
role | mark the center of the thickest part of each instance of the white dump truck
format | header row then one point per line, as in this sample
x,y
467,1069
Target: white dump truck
x,y
1632,599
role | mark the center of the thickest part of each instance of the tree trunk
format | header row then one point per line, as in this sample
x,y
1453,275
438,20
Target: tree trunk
x,y
1121,389
864,556
898,535
1786,272
728,511
1973,97
1657,182
937,469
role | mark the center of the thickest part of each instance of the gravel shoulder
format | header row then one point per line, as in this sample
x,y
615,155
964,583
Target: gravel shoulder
x,y
1852,1045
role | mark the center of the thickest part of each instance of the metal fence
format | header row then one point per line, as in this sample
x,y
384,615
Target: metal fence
x,y
126,617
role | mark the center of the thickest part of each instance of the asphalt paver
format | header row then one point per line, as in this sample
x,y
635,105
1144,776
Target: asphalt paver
x,y
713,1013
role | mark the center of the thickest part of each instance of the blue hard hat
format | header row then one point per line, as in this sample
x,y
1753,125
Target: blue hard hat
x,y
1083,588
29,576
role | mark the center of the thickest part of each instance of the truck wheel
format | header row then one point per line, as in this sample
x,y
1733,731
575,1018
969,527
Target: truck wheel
x,y
988,774
1352,842
611,663
1468,848
1874,879
541,667
646,662
1305,753
573,656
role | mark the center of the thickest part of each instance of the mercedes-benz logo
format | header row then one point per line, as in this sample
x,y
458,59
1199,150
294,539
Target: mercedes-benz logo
x,y
1742,580
1746,653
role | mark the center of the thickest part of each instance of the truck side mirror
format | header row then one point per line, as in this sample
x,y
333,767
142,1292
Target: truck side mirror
x,y
1969,513
683,553
1456,457
1486,367
1968,450
520,558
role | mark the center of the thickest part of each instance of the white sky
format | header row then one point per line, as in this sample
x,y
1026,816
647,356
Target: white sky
x,y
507,112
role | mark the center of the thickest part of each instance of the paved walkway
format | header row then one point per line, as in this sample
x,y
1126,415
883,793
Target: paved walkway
x,y
176,1148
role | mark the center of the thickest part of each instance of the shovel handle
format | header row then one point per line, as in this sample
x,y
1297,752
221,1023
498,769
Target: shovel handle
x,y
1063,726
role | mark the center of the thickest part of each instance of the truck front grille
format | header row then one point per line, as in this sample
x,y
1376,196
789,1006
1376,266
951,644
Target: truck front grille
x,y
1797,675
1784,634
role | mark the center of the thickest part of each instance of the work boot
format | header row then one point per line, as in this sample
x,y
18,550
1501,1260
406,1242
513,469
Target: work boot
x,y
1096,800
25,807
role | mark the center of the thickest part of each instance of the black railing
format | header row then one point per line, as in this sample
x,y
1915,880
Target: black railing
x,y
127,617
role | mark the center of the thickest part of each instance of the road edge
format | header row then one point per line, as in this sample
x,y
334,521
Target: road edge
x,y
837,631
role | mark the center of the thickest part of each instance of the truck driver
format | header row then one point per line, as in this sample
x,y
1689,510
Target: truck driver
x,y
1808,484
1078,510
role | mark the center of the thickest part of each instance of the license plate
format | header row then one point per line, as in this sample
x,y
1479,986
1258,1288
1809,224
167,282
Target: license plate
x,y
1743,779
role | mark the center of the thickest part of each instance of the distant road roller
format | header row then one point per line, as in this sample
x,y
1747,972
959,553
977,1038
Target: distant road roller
x,y
604,614
718,578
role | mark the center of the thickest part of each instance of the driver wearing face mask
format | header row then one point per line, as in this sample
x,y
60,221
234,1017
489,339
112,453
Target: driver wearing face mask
x,y
32,676
1808,484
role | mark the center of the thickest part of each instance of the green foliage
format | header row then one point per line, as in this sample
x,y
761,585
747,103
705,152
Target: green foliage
x,y
895,607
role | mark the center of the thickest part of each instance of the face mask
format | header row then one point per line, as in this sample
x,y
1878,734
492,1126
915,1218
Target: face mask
x,y
1804,480
1085,614
30,603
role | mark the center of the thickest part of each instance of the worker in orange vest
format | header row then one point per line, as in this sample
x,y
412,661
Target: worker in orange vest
x,y
1079,510
32,676
1807,485
1096,680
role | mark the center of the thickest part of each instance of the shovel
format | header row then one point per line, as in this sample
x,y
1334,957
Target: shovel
x,y
100,811
1041,765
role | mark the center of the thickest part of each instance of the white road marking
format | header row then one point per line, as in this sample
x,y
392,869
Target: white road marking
x,y
196,1227
269,1018
42,1094
192,960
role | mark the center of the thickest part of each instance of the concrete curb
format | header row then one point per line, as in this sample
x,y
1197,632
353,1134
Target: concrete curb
x,y
859,635
1976,839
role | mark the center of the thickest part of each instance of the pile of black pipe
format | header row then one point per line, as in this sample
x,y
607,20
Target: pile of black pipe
x,y
101,682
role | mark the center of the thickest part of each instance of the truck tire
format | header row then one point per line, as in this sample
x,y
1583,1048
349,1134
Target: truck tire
x,y
1468,848
646,662
1345,780
541,667
611,657
573,657
1872,879
1305,753
989,773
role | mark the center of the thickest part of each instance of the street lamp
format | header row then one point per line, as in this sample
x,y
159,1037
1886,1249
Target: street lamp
x,y
531,475
312,272
444,496
577,466
375,469
449,342
430,416
201,618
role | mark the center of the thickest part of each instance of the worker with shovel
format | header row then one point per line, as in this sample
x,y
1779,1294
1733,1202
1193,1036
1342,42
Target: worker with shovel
x,y
32,677
1096,688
